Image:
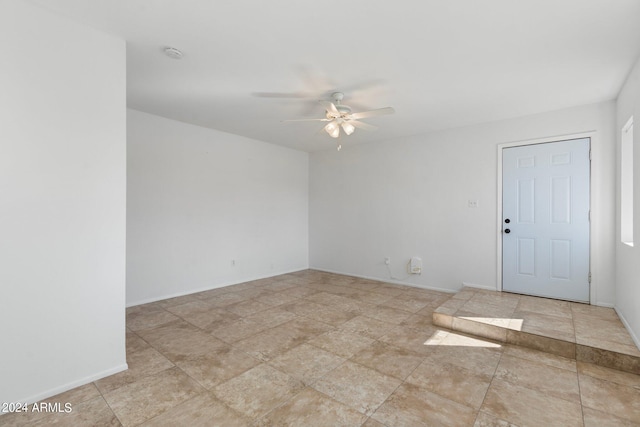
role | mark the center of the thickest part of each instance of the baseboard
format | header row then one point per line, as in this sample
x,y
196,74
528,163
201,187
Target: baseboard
x,y
209,288
628,327
476,286
395,282
604,304
77,383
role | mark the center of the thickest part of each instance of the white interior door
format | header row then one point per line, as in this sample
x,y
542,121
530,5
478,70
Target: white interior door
x,y
545,223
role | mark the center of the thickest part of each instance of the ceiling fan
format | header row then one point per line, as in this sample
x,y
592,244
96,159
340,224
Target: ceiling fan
x,y
340,116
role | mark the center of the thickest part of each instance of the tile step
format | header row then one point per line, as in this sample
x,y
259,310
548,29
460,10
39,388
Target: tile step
x,y
507,327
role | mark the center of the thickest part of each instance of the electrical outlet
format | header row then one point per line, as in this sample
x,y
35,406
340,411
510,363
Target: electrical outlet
x,y
387,260
472,203
415,265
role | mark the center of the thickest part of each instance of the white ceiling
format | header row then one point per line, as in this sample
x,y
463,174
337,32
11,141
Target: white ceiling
x,y
439,63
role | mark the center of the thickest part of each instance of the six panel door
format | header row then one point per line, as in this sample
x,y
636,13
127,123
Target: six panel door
x,y
545,223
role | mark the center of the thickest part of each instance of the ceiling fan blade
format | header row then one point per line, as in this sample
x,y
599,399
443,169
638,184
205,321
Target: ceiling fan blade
x,y
307,120
330,107
372,113
361,125
362,86
294,95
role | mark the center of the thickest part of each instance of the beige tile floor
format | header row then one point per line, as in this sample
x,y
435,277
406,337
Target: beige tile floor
x,y
319,349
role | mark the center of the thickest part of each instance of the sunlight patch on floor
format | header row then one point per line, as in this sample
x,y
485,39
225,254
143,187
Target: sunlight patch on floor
x,y
444,338
513,324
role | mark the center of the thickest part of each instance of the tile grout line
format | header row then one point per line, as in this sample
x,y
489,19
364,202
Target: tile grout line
x,y
580,393
493,376
404,381
107,403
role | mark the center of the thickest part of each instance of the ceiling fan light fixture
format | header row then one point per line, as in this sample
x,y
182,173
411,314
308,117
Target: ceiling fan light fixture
x,y
332,129
348,128
338,115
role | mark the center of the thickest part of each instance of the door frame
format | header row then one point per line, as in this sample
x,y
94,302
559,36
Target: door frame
x,y
550,139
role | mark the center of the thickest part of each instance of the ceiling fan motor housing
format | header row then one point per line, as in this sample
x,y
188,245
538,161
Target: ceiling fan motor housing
x,y
337,96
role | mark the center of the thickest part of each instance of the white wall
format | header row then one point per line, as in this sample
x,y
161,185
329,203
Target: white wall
x,y
628,258
408,197
200,198
62,204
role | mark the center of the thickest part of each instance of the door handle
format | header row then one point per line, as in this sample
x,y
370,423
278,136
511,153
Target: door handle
x,y
506,230
507,221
